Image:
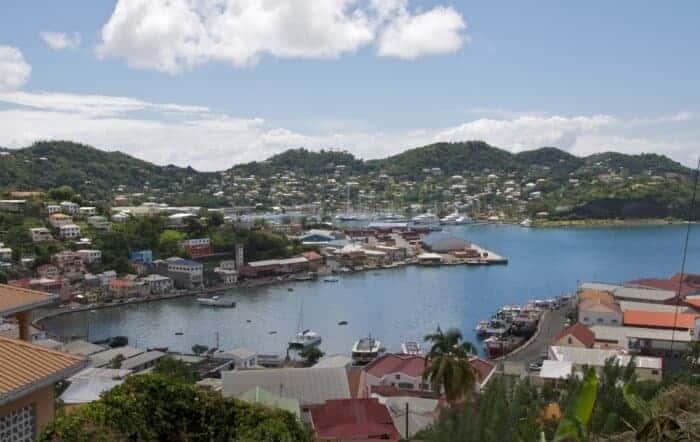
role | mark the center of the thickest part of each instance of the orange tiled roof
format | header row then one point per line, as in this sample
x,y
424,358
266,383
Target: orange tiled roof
x,y
660,319
24,366
596,295
16,299
595,305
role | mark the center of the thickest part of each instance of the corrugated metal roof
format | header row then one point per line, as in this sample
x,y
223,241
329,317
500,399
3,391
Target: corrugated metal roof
x,y
597,357
81,348
105,357
308,385
24,366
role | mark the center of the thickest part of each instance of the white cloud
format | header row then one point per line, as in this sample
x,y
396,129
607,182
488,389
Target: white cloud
x,y
172,35
528,132
197,136
438,31
14,71
59,41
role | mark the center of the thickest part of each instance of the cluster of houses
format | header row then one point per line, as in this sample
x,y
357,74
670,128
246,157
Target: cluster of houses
x,y
650,321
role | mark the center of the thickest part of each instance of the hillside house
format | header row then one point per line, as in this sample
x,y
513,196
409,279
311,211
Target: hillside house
x,y
40,234
69,231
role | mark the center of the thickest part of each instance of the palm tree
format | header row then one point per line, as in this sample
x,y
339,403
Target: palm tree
x,y
447,366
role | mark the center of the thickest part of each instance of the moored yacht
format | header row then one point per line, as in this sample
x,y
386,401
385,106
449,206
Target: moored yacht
x,y
215,301
425,219
454,219
305,338
366,350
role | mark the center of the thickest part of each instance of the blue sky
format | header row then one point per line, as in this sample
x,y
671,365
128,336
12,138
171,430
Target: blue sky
x,y
255,77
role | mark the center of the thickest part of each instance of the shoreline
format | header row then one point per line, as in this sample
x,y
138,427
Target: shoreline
x,y
608,222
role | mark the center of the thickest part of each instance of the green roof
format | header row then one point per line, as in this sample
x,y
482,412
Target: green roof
x,y
259,395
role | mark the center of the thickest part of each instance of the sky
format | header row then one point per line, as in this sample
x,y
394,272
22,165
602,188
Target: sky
x,y
213,83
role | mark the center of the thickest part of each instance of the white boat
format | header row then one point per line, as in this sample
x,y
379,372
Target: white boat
x,y
454,219
215,301
366,350
481,328
306,338
527,222
411,348
426,219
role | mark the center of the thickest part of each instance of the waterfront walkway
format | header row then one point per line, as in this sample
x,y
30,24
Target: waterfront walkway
x,y
536,348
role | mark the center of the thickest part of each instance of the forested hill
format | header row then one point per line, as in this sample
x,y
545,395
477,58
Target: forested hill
x,y
94,173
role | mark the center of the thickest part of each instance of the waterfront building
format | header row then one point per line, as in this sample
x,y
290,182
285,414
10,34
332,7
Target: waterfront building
x,y
103,358
447,245
428,259
143,361
127,288
314,259
643,340
40,234
226,272
158,284
28,374
186,274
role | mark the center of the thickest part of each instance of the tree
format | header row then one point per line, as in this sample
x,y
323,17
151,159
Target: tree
x,y
116,361
169,243
198,349
215,219
311,355
175,369
447,366
154,407
63,193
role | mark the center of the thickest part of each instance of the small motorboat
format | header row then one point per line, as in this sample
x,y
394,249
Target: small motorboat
x,y
343,323
179,333
215,301
305,338
290,289
330,280
273,332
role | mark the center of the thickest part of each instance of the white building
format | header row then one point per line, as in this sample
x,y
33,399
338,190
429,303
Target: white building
x,y
40,234
53,208
69,231
90,256
647,368
158,284
87,211
99,222
70,208
243,357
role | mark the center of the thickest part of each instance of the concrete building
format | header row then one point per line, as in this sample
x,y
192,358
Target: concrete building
x,y
577,335
596,312
98,222
90,256
647,368
242,357
40,234
197,247
158,284
186,274
69,231
28,374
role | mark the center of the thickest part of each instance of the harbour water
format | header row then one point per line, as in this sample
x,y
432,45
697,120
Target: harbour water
x,y
404,303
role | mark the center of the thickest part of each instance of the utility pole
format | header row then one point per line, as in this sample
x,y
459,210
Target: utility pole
x,y
407,437
217,340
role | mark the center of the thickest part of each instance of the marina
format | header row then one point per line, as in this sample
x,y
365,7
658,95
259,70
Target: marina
x,y
396,305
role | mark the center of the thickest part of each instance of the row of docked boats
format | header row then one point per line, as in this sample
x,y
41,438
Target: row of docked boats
x,y
512,324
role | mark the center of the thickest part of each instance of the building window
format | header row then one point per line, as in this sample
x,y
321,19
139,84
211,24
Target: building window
x,y
398,376
599,320
571,341
655,372
19,425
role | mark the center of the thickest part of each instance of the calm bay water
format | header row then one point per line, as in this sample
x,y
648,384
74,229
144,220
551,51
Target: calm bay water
x,y
406,303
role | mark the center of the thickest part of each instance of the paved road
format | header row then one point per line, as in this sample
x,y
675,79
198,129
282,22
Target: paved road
x,y
551,323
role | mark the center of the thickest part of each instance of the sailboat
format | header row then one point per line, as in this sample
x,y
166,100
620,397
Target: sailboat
x,y
304,337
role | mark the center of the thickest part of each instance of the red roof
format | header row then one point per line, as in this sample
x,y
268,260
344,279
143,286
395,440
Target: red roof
x,y
353,419
410,365
578,331
482,367
686,288
312,256
660,319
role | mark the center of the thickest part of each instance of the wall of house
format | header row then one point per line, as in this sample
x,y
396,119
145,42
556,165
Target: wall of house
x,y
43,401
569,341
597,318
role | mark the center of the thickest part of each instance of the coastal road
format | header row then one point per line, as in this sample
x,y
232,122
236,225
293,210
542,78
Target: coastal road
x,y
552,323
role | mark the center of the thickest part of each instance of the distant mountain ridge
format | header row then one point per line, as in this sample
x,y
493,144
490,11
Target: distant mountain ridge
x,y
97,175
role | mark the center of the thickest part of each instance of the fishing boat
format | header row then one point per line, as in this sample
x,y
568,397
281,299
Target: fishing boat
x,y
304,338
411,348
366,350
481,328
497,347
216,301
330,280
496,327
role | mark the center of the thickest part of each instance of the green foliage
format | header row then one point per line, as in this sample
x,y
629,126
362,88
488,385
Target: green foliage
x,y
154,407
447,365
199,349
116,361
573,426
311,355
175,369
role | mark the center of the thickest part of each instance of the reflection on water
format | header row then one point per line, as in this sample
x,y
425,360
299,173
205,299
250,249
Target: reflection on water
x,y
405,303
